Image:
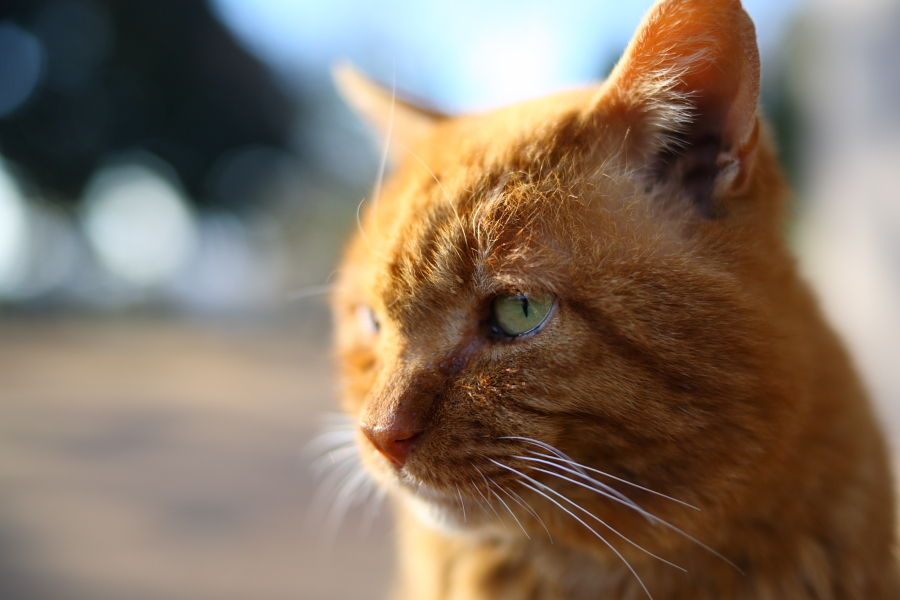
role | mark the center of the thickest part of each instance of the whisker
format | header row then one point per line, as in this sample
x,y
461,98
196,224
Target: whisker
x,y
348,495
337,429
559,455
619,479
503,502
338,450
578,467
333,446
333,458
329,440
491,506
521,501
373,501
604,490
335,422
598,519
477,501
574,516
339,472
322,506
462,503
359,227
650,516
543,445
344,482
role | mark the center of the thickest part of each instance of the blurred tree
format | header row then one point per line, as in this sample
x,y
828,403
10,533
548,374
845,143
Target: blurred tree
x,y
157,75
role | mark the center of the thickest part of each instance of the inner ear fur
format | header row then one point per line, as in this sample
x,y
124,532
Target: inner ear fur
x,y
688,86
400,122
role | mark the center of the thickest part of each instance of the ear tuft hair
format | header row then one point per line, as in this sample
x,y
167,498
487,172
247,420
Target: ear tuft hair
x,y
689,81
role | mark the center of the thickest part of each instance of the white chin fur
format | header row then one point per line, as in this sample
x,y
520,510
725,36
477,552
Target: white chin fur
x,y
435,515
450,518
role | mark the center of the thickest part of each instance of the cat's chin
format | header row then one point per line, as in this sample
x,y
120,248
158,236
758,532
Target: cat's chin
x,y
448,516
436,515
449,511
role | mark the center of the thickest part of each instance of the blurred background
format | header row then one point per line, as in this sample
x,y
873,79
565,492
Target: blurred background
x,y
176,181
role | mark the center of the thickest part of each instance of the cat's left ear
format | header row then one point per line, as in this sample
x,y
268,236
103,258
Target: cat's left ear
x,y
399,121
688,85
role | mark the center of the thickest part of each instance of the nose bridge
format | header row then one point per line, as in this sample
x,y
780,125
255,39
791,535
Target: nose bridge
x,y
404,390
399,408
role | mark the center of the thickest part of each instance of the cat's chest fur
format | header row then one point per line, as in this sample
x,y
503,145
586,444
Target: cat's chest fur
x,y
578,356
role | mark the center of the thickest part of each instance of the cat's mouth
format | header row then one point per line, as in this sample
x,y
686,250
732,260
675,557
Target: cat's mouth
x,y
443,483
461,493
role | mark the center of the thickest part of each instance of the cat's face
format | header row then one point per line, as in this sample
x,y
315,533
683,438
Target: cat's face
x,y
551,291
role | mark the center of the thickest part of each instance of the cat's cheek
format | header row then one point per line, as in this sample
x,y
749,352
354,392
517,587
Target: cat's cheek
x,y
357,378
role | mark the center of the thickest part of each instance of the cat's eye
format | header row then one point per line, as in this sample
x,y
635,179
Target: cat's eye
x,y
516,314
368,320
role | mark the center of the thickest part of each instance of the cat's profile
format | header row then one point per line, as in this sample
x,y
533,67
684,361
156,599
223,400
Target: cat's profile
x,y
580,359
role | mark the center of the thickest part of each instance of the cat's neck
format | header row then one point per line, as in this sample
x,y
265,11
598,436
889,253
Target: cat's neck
x,y
776,562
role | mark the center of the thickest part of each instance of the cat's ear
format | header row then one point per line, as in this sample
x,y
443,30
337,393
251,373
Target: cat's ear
x,y
399,121
689,82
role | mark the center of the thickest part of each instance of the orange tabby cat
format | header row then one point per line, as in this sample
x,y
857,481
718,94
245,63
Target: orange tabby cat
x,y
579,355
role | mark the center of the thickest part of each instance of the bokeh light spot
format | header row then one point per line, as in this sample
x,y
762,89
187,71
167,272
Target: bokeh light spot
x,y
21,59
13,231
139,224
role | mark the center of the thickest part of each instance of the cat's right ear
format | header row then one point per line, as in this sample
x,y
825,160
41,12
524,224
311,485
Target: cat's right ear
x,y
688,88
398,121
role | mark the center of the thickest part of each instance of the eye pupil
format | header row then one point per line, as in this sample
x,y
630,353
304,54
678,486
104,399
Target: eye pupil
x,y
517,314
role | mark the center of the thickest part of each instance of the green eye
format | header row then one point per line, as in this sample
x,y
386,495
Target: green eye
x,y
517,315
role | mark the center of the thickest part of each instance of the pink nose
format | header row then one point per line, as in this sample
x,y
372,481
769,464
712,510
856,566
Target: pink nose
x,y
395,443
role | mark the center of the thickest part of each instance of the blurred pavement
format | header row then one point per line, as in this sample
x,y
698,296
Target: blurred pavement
x,y
156,459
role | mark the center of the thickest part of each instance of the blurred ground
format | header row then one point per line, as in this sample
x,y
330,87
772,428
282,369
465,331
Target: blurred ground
x,y
158,459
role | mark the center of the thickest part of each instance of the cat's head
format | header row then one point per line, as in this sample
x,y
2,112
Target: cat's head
x,y
593,281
